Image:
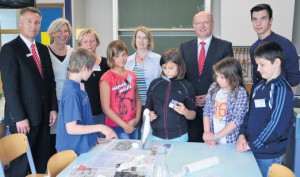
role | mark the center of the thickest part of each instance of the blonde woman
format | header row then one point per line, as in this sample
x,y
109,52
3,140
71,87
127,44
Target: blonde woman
x,y
59,32
89,39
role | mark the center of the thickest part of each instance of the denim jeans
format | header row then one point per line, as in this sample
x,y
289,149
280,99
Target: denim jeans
x,y
99,119
183,138
265,164
122,135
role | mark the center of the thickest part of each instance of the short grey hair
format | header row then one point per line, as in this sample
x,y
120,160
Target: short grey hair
x,y
29,9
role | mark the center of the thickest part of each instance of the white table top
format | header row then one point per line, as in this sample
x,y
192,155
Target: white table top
x,y
232,163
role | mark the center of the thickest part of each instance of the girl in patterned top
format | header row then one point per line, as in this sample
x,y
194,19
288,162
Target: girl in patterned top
x,y
226,104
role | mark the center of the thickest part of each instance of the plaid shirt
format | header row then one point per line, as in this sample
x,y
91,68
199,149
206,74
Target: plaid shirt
x,y
236,110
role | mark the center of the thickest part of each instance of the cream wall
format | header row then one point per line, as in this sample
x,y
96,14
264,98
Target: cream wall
x,y
98,14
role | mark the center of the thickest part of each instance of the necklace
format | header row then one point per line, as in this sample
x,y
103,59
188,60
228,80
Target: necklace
x,y
141,58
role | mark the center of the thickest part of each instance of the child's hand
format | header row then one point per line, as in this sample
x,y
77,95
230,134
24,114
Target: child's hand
x,y
208,136
129,129
102,140
108,132
180,108
212,142
242,144
132,122
153,116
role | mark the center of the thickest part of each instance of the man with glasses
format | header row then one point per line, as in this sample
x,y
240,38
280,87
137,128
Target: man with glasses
x,y
200,54
261,17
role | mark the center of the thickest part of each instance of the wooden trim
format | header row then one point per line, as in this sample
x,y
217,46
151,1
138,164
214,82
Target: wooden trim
x,y
49,5
9,31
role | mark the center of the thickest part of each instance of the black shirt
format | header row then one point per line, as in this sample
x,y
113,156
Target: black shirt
x,y
92,87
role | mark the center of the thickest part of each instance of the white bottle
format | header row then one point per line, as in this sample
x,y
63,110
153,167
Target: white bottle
x,y
146,130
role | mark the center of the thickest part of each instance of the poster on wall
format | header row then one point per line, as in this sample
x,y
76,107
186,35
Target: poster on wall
x,y
48,15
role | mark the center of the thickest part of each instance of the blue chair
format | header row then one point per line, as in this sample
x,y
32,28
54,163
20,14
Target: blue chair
x,y
13,146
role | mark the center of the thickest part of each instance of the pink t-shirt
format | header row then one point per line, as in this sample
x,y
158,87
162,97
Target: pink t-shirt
x,y
122,95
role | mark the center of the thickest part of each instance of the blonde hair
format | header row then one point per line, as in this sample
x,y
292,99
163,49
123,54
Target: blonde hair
x,y
148,34
86,31
56,25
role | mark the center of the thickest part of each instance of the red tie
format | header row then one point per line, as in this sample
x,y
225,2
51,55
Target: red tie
x,y
36,59
201,58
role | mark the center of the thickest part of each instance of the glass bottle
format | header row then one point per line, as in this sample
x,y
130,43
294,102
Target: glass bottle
x,y
161,168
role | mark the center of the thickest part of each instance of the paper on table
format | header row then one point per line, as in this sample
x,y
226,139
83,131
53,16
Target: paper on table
x,y
200,165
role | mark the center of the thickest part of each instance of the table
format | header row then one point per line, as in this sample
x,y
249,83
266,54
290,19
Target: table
x,y
232,163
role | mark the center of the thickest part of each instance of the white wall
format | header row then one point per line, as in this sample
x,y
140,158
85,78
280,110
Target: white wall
x,y
296,30
99,17
78,20
236,23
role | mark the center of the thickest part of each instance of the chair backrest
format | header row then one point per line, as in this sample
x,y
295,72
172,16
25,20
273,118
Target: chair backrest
x,y
13,146
60,161
277,170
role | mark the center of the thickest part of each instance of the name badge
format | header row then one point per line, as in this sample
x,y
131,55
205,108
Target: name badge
x,y
173,103
97,68
29,55
260,103
129,78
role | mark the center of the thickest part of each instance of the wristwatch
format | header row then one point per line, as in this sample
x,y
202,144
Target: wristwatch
x,y
216,137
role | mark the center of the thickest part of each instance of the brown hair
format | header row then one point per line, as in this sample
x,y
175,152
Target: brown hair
x,y
115,48
232,71
173,55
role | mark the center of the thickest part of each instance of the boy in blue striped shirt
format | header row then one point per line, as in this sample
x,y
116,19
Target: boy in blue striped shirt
x,y
267,127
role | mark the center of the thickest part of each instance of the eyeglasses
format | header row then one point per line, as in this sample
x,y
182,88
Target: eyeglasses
x,y
142,38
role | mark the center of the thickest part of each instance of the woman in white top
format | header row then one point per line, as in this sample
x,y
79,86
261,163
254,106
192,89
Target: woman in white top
x,y
144,63
59,32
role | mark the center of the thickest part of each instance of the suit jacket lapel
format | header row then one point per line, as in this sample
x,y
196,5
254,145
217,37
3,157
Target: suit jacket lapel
x,y
211,48
28,55
207,63
194,49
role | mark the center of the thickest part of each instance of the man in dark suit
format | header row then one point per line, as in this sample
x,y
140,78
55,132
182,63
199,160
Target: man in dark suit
x,y
213,50
29,89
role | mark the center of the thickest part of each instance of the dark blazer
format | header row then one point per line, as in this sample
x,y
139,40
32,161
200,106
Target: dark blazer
x,y
27,94
218,49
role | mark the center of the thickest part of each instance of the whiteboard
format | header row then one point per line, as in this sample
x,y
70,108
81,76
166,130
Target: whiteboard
x,y
236,25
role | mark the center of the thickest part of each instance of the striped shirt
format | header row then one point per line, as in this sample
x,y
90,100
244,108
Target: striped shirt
x,y
141,82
